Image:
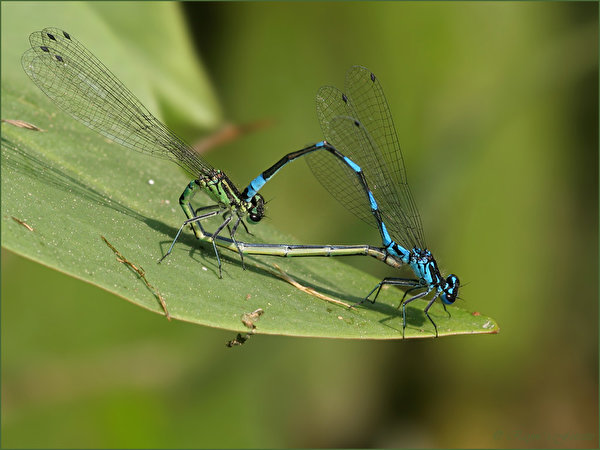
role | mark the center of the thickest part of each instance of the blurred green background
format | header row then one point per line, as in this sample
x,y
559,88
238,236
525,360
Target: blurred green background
x,y
496,107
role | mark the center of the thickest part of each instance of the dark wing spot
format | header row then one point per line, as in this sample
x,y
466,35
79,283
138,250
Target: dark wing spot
x,y
51,36
66,35
344,98
372,77
45,49
59,58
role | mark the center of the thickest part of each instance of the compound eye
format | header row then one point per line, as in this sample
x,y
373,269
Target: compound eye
x,y
254,218
448,298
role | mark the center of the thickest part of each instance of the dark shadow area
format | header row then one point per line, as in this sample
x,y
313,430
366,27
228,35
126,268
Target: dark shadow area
x,y
28,163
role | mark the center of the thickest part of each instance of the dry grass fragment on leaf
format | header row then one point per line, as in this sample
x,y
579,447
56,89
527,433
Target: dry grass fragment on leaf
x,y
21,124
20,222
309,291
142,275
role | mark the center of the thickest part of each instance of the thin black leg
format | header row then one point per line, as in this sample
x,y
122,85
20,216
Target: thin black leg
x,y
232,232
431,302
393,281
406,302
246,228
215,234
188,222
447,312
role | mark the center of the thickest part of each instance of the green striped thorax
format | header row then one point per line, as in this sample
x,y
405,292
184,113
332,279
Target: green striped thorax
x,y
220,189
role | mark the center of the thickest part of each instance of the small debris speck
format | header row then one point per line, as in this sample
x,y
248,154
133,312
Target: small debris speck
x,y
248,319
238,340
150,181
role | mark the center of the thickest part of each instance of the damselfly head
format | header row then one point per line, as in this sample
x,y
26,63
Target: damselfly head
x,y
257,209
450,291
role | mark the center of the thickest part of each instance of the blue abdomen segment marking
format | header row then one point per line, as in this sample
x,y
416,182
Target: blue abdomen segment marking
x,y
353,166
254,186
372,201
385,236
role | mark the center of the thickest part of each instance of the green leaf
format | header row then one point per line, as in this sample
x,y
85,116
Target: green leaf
x,y
72,187
65,187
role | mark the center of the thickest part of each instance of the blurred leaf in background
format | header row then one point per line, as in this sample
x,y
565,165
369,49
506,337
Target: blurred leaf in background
x,y
496,106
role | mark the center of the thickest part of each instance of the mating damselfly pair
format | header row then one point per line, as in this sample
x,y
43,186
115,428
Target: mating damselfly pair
x,y
360,163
